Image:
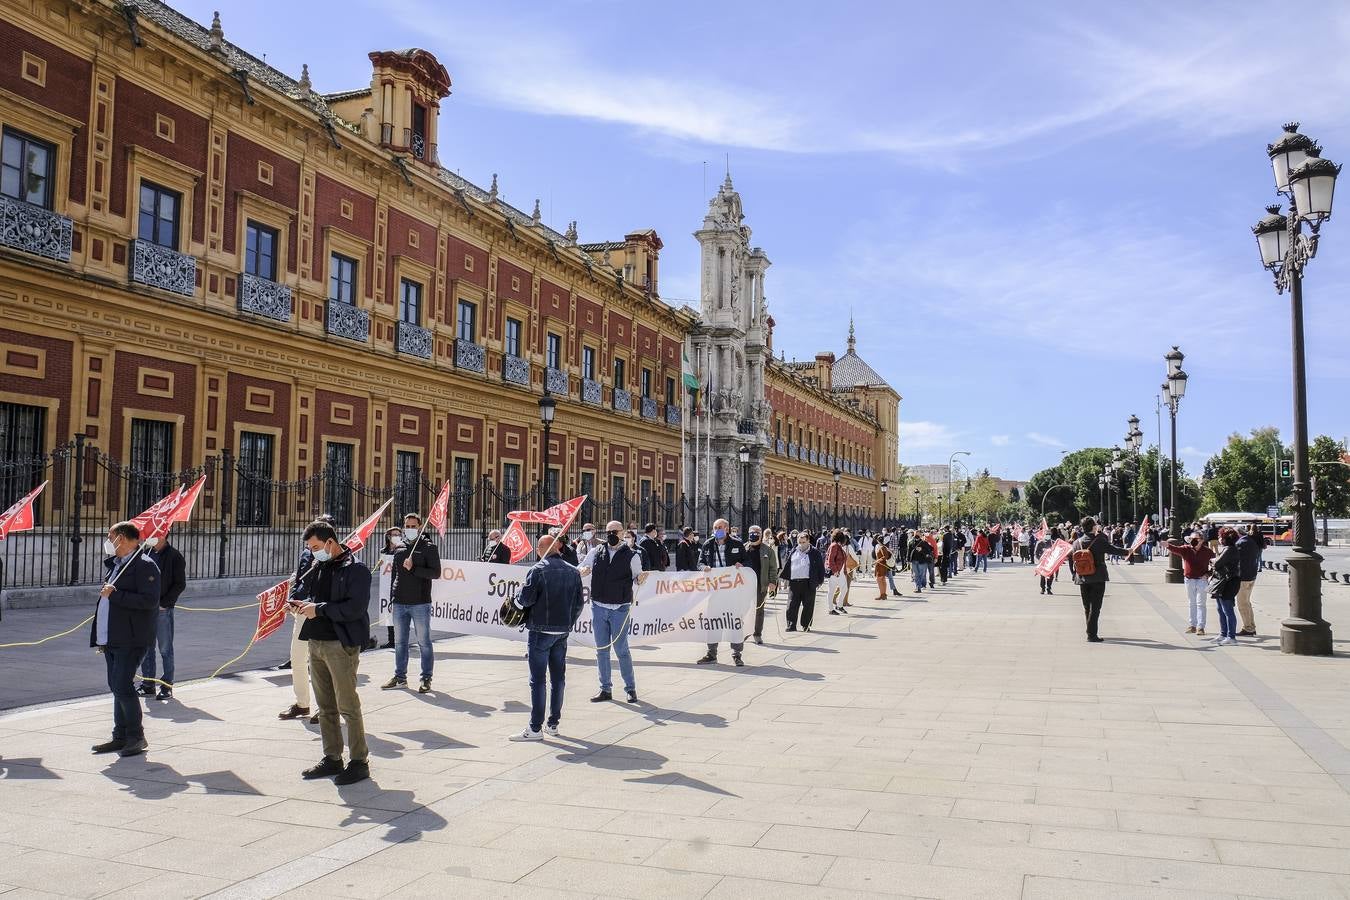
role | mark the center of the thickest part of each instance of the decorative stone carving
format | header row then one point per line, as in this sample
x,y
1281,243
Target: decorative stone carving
x,y
263,297
470,357
347,321
591,392
515,369
35,230
166,269
414,340
556,382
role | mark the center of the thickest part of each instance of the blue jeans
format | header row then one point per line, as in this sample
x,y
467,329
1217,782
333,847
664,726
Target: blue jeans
x,y
607,624
404,615
920,574
163,640
546,653
122,663
890,580
1227,618
981,559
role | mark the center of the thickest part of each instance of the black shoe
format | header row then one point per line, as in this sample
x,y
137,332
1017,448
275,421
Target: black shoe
x,y
165,693
146,689
834,612
112,746
707,658
791,628
394,682
295,712
355,771
632,696
425,686
843,611
736,658
602,697
314,719
1095,640
327,768
1050,593
759,640
134,747
371,644
284,666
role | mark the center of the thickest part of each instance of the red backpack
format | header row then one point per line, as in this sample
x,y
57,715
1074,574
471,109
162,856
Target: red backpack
x,y
1084,563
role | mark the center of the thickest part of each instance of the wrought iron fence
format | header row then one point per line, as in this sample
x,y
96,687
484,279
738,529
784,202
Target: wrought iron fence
x,y
246,524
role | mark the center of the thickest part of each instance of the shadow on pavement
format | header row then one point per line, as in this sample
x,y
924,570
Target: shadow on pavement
x,y
407,827
455,704
27,768
749,669
174,711
1148,644
432,740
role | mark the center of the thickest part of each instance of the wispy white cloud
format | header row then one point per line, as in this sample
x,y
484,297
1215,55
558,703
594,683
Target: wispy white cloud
x,y
1000,440
919,435
1044,440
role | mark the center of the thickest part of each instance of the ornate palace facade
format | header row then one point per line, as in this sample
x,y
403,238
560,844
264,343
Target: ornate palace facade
x,y
199,252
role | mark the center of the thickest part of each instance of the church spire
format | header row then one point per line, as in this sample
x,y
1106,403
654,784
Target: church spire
x,y
851,340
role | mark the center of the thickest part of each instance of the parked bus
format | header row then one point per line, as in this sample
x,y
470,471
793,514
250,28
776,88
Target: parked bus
x,y
1280,529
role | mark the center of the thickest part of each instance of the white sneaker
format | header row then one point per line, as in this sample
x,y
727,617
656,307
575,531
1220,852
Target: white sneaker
x,y
551,730
527,735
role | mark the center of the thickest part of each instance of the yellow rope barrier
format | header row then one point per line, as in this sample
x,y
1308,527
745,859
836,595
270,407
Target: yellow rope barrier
x,y
51,637
216,608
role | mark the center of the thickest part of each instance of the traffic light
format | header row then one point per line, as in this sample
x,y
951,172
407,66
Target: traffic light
x,y
1286,468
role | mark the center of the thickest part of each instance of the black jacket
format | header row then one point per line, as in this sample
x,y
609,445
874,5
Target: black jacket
x,y
652,552
173,574
1227,571
347,605
1249,549
133,605
1100,547
733,552
552,594
686,556
568,552
413,586
817,567
499,554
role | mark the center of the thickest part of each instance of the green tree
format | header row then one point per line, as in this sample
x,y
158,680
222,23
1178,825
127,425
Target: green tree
x,y
1243,476
984,499
1332,478
1080,470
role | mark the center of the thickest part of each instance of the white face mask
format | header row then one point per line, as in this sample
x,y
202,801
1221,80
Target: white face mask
x,y
410,534
109,548
588,535
322,555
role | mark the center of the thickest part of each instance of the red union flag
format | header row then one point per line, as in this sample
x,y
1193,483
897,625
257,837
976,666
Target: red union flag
x,y
19,517
272,610
558,514
1142,536
155,522
517,542
1053,558
439,510
1043,530
357,539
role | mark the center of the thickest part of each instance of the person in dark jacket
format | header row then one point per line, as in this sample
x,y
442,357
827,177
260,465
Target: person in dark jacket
x,y
496,551
720,551
552,595
920,554
1228,578
804,572
173,578
336,610
687,552
123,629
1092,588
1250,547
615,569
655,558
416,565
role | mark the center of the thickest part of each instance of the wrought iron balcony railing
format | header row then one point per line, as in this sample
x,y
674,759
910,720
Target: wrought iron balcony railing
x,y
35,230
648,408
470,356
515,369
556,382
414,340
623,400
347,321
591,392
673,414
264,297
163,268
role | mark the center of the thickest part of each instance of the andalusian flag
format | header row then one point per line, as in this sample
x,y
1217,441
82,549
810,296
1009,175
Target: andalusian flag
x,y
687,369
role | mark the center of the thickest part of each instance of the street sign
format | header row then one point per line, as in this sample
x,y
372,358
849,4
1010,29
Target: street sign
x,y
1273,512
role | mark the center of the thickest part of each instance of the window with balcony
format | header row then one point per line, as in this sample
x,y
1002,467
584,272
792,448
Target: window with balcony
x,y
619,372
588,363
466,322
512,344
418,142
409,302
670,391
23,431
27,168
151,464
260,251
342,279
253,506
647,383
554,351
157,220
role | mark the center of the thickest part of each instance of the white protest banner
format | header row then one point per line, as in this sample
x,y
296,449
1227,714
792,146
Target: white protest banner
x,y
697,607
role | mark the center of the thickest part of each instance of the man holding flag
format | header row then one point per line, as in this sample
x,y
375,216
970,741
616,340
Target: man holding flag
x,y
416,565
124,627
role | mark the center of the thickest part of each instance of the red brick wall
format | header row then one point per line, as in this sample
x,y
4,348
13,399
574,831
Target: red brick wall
x,y
236,411
15,349
66,91
328,197
125,394
241,173
420,439
134,124
327,428
456,250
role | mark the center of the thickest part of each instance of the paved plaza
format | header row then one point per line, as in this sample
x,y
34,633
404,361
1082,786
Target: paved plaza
x,y
965,743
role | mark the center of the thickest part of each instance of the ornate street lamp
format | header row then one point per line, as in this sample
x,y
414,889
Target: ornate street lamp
x,y
548,408
837,474
950,460
1310,184
885,510
743,454
1174,388
917,516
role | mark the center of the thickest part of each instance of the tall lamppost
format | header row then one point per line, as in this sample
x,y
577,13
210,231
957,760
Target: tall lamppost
x,y
885,510
743,454
1117,469
1309,182
1174,388
548,407
1101,499
950,491
917,516
1133,440
837,474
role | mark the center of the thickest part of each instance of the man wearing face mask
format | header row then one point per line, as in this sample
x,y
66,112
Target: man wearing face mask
x,y
588,540
416,564
614,568
496,551
299,663
1196,558
655,557
804,571
124,628
337,625
719,551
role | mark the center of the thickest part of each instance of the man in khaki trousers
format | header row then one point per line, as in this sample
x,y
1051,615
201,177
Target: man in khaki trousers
x,y
1249,547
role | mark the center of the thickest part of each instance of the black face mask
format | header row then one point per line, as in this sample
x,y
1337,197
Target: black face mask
x,y
612,538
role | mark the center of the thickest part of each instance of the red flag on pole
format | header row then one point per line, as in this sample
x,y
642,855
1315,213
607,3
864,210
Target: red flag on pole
x,y
558,514
272,602
517,541
19,517
1142,536
155,522
1043,530
1053,558
440,510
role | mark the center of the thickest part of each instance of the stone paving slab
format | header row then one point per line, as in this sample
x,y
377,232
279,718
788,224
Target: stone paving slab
x,y
970,745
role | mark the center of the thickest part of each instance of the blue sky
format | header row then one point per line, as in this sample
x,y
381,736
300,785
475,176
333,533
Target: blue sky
x,y
1023,205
